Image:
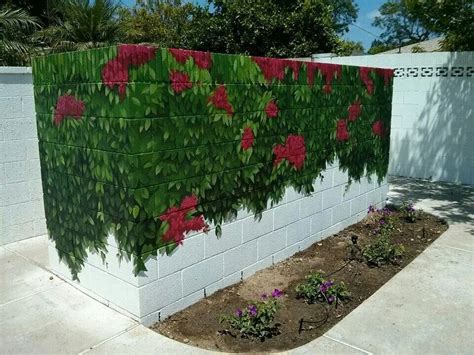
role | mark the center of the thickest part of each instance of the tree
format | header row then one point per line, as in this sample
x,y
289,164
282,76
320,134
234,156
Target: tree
x,y
344,13
168,23
279,28
16,27
454,19
80,24
399,27
346,48
379,46
36,8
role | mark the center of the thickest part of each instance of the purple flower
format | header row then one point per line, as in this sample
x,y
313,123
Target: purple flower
x,y
238,313
324,287
382,221
331,299
277,293
252,310
371,209
264,296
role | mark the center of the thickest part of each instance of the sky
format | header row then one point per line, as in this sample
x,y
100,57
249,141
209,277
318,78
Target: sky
x,y
368,9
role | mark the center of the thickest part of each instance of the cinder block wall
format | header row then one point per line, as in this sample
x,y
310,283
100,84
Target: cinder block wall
x,y
144,149
205,264
21,196
432,113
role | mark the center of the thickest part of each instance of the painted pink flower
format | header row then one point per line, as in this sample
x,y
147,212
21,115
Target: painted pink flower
x,y
271,109
342,134
354,110
274,68
365,77
68,106
329,72
387,74
115,71
180,81
294,151
247,139
202,59
220,101
179,223
378,128
295,66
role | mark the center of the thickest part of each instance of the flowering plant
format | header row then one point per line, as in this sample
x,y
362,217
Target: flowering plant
x,y
382,250
383,219
409,212
317,289
256,320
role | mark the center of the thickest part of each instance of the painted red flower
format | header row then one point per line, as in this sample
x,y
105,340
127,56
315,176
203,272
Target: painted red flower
x,y
378,128
68,106
342,134
271,109
294,151
220,101
365,77
179,81
354,110
115,71
295,66
202,59
134,54
329,72
247,139
387,74
274,68
179,223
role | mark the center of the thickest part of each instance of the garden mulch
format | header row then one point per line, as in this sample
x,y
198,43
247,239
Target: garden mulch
x,y
199,324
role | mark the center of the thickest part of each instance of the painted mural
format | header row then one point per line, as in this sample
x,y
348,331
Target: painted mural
x,y
150,144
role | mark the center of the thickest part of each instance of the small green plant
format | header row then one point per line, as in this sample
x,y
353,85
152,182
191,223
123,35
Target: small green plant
x,y
409,212
316,289
382,251
256,320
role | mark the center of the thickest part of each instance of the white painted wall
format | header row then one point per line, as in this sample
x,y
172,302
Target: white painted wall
x,y
205,264
432,133
21,196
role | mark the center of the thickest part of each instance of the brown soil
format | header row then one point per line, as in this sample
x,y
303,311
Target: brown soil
x,y
199,324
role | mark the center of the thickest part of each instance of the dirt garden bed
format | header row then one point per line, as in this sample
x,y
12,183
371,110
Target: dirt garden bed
x,y
341,257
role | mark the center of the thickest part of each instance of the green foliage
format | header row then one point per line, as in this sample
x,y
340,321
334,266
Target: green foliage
x,y
399,27
316,288
16,27
80,24
256,320
451,18
409,212
165,23
347,48
120,166
378,46
273,28
381,249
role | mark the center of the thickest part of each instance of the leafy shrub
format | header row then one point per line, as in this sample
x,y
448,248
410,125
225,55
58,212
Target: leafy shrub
x,y
316,289
409,212
382,250
256,320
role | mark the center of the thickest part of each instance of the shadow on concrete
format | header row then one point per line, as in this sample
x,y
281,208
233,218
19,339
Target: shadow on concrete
x,y
453,202
440,145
